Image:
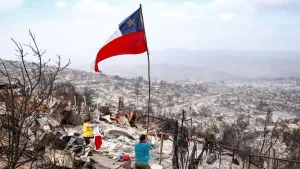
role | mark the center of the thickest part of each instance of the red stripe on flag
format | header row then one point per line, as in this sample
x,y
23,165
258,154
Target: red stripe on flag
x,y
133,43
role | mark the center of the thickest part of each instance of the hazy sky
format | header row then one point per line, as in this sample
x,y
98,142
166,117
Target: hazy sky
x,y
76,29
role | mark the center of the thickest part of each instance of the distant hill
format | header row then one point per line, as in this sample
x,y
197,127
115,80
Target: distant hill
x,y
170,72
178,64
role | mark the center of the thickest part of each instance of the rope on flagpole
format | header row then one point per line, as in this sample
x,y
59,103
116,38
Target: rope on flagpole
x,y
148,68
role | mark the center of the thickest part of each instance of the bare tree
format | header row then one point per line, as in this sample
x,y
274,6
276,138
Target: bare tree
x,y
233,134
65,89
88,94
19,146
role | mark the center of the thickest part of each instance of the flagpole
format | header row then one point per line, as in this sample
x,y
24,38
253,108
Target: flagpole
x,y
148,67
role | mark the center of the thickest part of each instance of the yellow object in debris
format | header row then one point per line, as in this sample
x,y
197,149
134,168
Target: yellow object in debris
x,y
87,131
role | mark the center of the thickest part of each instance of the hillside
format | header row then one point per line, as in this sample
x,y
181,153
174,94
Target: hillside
x,y
238,113
176,64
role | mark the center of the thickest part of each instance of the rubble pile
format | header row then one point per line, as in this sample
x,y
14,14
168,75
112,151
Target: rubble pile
x,y
118,139
59,127
119,134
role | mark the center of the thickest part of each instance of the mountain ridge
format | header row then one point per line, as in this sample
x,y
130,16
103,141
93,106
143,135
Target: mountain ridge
x,y
209,65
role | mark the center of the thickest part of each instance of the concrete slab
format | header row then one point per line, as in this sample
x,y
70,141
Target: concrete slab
x,y
104,162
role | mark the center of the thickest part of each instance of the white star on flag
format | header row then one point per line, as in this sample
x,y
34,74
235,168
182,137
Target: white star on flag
x,y
130,22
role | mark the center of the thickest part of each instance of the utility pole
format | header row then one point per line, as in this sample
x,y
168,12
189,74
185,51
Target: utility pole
x,y
161,147
183,118
181,137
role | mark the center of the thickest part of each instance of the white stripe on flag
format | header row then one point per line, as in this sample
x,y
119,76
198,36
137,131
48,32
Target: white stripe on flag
x,y
115,35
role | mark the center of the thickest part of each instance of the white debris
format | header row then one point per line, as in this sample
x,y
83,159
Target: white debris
x,y
156,166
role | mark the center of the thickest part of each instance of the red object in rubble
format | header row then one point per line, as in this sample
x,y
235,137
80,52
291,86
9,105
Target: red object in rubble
x,y
98,142
126,157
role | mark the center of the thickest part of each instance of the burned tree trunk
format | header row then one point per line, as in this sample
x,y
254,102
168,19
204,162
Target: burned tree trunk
x,y
175,148
194,164
193,154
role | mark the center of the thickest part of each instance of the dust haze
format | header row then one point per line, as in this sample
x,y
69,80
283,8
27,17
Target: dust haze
x,y
180,64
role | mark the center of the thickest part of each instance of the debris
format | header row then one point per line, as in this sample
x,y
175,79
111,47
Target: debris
x,y
87,114
119,133
235,161
132,118
107,118
120,157
52,104
106,162
70,117
47,122
211,159
105,110
61,158
156,166
123,121
126,157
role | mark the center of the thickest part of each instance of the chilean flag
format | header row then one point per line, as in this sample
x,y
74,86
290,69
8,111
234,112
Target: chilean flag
x,y
129,38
